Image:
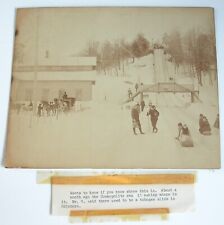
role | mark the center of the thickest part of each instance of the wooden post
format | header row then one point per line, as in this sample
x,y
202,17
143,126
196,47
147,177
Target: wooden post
x,y
141,96
192,97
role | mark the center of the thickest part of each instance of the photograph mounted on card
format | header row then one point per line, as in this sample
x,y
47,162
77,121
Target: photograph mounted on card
x,y
114,87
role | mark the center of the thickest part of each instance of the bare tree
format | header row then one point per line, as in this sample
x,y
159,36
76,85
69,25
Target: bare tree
x,y
140,46
173,45
201,53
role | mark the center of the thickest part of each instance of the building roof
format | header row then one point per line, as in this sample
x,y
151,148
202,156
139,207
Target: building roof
x,y
63,61
56,76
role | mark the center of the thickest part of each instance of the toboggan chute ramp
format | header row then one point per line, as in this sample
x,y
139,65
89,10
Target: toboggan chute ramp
x,y
161,83
166,87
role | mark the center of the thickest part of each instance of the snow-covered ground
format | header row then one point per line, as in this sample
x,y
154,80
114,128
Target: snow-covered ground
x,y
101,136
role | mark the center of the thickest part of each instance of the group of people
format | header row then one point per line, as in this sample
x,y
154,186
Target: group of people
x,y
52,107
137,87
183,136
152,112
49,107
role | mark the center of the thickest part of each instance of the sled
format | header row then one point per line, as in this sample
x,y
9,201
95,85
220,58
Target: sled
x,y
206,133
186,141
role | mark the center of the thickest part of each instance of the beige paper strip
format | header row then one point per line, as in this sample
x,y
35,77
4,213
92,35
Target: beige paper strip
x,y
116,212
125,179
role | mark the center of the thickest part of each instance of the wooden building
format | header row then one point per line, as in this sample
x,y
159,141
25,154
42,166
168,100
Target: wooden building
x,y
48,81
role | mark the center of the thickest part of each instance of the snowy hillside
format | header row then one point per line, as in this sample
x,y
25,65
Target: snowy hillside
x,y
105,128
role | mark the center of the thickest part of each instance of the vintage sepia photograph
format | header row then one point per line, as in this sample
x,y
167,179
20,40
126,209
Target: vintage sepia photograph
x,y
114,87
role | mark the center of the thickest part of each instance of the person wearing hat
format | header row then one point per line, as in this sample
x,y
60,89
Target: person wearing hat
x,y
154,114
201,123
180,127
185,130
204,126
184,136
135,118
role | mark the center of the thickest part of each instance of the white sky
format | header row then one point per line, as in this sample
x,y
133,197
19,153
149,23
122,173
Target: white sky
x,y
65,31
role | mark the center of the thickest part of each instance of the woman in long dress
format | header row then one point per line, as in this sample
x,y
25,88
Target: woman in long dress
x,y
184,136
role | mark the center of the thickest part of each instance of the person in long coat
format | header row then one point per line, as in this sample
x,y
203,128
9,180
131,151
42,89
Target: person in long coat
x,y
135,119
154,115
204,126
39,110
